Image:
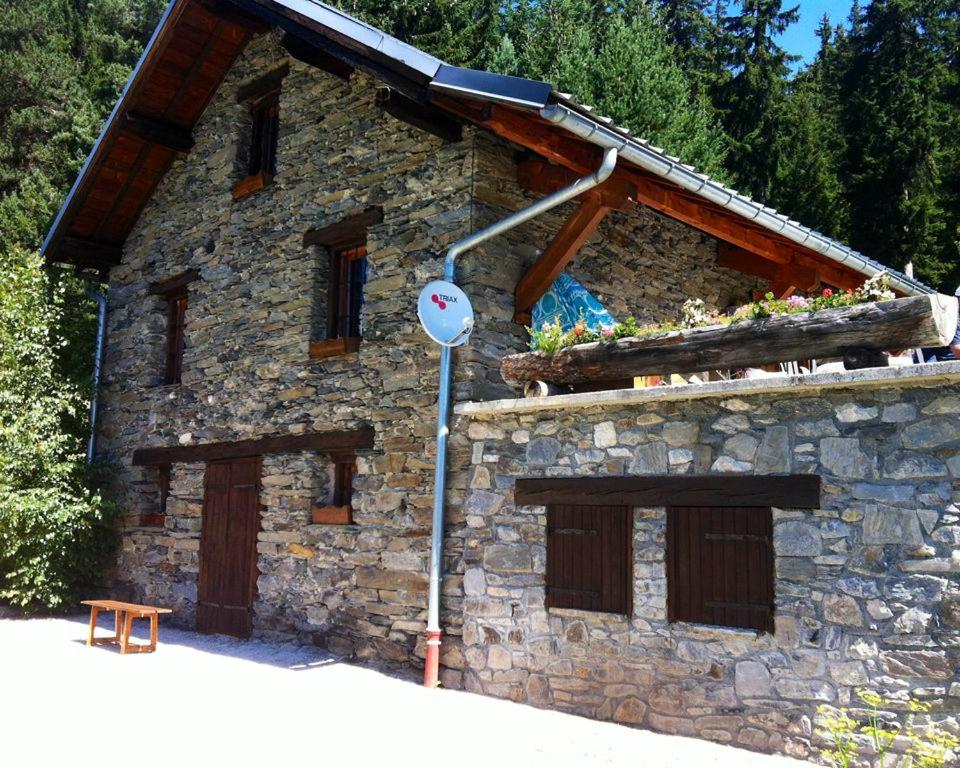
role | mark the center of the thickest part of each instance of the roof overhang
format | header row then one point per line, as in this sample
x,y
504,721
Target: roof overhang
x,y
197,42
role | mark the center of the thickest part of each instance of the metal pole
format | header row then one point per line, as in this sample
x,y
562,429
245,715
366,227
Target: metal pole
x,y
97,364
431,672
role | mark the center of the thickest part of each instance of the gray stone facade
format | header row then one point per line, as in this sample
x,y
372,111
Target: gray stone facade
x,y
259,301
867,585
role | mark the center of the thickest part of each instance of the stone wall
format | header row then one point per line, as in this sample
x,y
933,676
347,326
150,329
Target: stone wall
x,y
867,585
246,372
359,589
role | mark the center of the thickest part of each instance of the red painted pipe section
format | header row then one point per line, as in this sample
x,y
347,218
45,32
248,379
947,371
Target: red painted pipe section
x,y
431,671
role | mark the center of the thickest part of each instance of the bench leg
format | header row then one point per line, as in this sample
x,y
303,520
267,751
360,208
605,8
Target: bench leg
x,y
127,626
94,615
154,631
117,625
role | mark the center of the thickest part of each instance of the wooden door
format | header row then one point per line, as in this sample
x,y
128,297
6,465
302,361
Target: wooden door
x,y
228,547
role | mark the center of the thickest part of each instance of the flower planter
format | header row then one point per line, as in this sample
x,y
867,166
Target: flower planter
x,y
915,321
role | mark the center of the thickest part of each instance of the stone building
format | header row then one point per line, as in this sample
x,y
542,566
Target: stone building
x,y
274,187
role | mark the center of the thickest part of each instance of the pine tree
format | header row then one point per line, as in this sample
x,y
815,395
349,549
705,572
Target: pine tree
x,y
688,30
751,101
895,84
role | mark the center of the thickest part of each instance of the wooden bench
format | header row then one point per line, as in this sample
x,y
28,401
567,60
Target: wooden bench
x,y
123,616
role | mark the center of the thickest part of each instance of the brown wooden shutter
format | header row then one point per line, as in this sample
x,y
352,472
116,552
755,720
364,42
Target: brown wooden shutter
x,y
720,566
589,558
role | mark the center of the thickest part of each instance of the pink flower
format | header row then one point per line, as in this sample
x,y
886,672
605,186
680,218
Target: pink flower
x,y
827,293
606,332
797,302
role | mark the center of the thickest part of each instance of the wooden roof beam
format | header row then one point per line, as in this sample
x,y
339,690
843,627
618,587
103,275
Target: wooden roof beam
x,y
176,137
92,253
425,117
577,229
301,50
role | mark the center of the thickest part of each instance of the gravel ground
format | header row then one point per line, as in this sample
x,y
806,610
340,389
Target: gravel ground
x,y
203,700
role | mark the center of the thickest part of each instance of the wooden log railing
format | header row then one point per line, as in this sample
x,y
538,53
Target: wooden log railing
x,y
915,321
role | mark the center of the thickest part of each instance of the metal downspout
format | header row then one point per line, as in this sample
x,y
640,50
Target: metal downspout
x,y
432,667
97,364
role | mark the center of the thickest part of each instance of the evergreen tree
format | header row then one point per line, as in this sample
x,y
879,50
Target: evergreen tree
x,y
688,30
750,102
897,77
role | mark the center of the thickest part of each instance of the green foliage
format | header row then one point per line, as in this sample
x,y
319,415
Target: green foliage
x,y
928,744
55,530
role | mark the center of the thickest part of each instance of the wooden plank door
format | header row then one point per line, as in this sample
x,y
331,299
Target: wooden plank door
x,y
228,547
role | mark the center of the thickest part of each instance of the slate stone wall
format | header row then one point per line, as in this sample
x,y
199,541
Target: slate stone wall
x,y
867,585
259,300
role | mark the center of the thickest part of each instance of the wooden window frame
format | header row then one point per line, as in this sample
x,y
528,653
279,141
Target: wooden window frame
x,y
589,574
720,567
346,243
263,99
174,292
340,511
157,519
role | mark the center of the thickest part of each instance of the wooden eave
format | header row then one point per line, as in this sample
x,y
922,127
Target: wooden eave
x,y
192,51
783,262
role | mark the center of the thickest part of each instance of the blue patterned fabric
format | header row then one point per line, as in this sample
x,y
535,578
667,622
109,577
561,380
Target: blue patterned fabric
x,y
567,301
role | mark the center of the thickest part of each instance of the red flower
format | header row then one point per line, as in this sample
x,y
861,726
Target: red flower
x,y
827,293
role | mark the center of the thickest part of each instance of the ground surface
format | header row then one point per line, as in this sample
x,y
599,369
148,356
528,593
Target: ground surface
x,y
213,701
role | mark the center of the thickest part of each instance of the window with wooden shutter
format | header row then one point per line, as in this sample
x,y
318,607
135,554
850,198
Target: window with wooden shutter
x,y
174,292
720,566
342,275
339,511
589,558
258,151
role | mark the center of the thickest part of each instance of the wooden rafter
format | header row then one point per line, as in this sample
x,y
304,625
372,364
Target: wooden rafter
x,y
301,50
166,134
575,231
580,157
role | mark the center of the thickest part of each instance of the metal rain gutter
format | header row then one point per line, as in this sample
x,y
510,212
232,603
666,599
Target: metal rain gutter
x,y
684,176
431,670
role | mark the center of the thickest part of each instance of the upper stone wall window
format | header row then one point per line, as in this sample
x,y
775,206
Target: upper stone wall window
x,y
257,149
342,274
174,293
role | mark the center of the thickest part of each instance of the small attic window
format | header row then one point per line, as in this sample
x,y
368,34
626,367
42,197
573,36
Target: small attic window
x,y
257,153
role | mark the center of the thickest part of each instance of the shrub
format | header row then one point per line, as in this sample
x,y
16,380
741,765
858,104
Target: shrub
x,y
56,531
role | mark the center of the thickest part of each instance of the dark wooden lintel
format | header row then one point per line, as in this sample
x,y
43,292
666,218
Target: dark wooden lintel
x,y
174,284
166,134
89,252
333,441
301,50
263,86
349,231
786,491
423,116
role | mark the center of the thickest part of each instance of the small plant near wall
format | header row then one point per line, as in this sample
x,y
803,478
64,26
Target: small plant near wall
x,y
551,337
870,740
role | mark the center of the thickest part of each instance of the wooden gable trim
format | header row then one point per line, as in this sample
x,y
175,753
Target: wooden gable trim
x,y
349,231
358,438
175,284
263,86
786,491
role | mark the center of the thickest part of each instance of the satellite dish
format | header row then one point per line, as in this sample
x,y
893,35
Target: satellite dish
x,y
445,313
